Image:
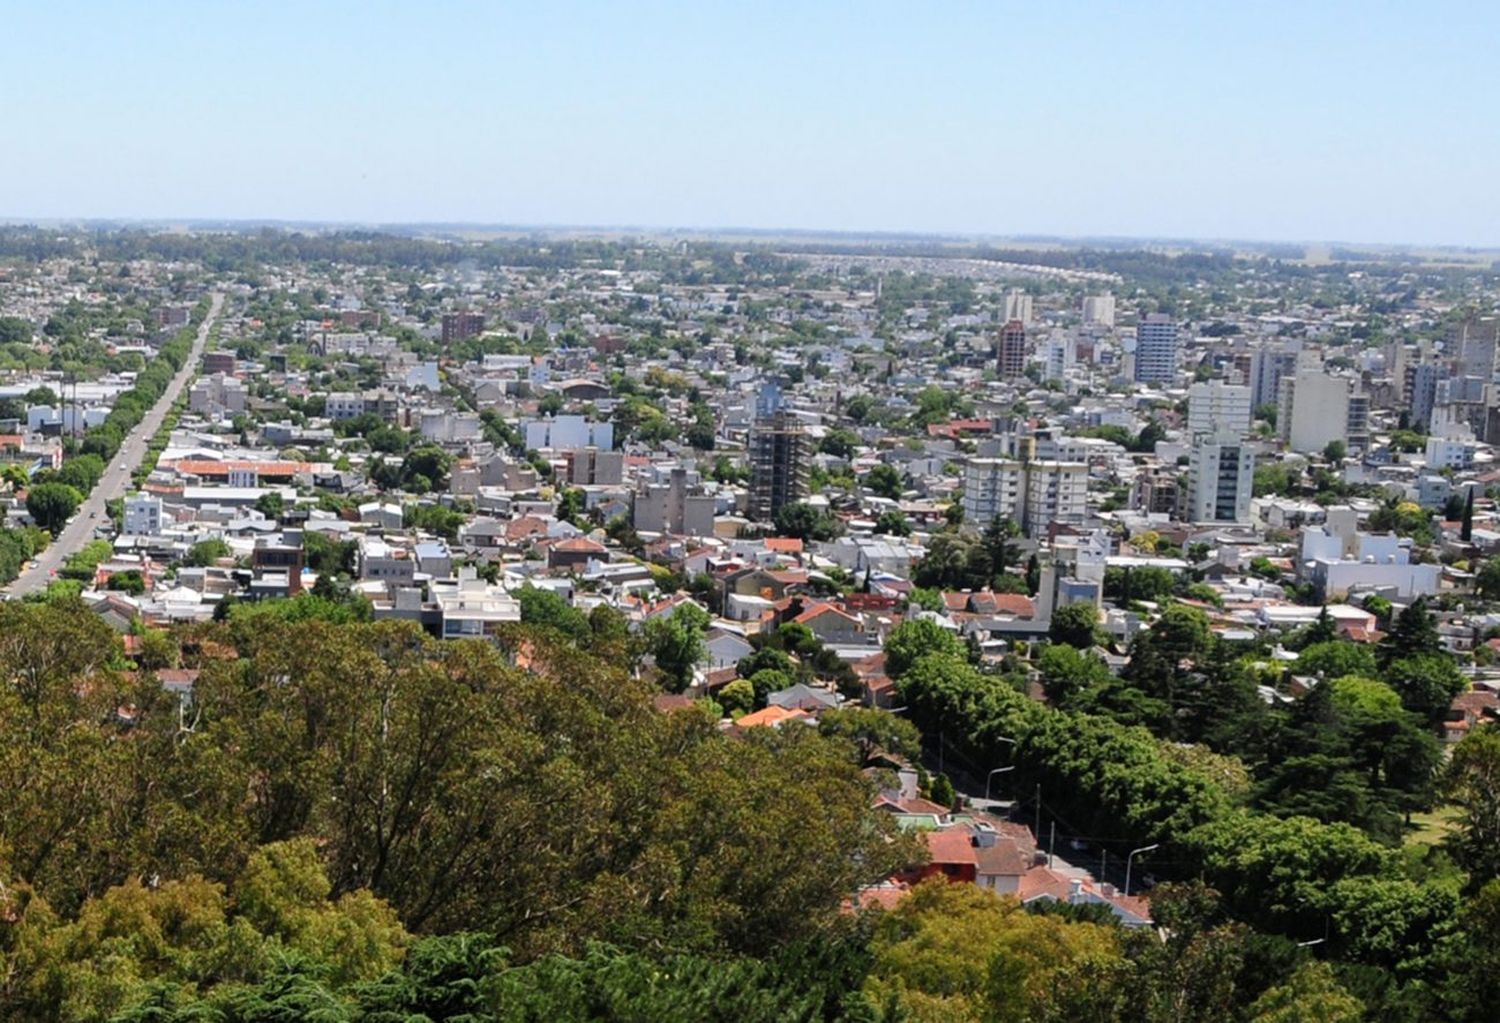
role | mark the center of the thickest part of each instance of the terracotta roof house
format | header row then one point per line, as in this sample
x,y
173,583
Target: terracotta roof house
x,y
1043,884
773,717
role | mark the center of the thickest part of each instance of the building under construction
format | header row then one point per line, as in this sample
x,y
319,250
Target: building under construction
x,y
780,453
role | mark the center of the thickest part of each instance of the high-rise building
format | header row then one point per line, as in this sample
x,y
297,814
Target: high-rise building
x,y
1476,341
1357,425
779,465
1156,350
1061,355
1215,407
457,326
1018,306
1267,367
674,507
1313,409
1221,477
1099,309
1032,494
1010,358
1424,387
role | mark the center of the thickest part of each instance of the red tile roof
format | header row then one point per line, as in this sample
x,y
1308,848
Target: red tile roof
x,y
950,845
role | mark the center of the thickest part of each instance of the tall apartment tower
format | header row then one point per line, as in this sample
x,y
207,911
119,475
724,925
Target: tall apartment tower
x,y
1215,407
1156,350
1018,306
1010,359
1267,367
780,454
1221,477
1032,494
457,326
1099,310
1314,409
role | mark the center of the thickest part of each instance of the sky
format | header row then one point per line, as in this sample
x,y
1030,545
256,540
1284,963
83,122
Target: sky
x,y
1310,121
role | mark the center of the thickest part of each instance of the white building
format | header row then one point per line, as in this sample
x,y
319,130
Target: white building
x,y
469,607
1017,307
1033,494
567,433
379,561
143,515
1380,562
1217,408
1221,477
1099,309
1060,355
1313,409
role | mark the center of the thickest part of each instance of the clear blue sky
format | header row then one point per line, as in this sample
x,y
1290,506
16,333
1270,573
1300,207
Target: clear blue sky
x,y
1309,121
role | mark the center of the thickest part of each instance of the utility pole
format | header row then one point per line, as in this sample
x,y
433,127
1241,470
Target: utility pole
x,y
1051,844
1037,831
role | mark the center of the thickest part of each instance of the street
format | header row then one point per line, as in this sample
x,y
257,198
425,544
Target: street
x,y
91,513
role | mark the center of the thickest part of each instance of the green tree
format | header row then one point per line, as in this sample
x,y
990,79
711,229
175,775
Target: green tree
x,y
271,504
1068,672
1427,683
1336,658
51,505
767,681
550,610
884,481
206,552
804,522
738,697
872,731
1472,782
1076,625
676,642
1412,632
915,639
1487,582
893,523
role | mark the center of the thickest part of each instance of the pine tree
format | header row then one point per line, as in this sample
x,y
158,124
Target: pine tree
x,y
1466,530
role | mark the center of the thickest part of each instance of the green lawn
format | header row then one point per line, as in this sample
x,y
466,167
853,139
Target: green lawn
x,y
1431,828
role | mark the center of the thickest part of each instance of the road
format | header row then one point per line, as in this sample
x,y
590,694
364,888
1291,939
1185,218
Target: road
x,y
116,479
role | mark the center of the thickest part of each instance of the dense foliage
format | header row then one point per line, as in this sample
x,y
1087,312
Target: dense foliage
x,y
412,786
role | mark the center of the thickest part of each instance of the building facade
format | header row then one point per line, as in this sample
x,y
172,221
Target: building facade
x,y
1156,350
1010,357
780,456
1221,478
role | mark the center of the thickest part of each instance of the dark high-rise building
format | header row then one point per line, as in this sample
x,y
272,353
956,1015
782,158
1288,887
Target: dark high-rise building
x,y
457,326
1010,359
779,457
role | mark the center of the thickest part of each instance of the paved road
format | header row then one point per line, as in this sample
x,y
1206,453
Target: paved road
x,y
116,479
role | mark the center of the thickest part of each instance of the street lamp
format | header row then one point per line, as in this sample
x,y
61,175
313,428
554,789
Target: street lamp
x,y
991,775
1131,857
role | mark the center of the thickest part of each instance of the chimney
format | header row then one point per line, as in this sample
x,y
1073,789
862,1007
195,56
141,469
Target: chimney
x,y
1075,890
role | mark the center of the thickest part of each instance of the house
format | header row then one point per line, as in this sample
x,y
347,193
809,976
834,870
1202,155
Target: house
x,y
574,554
833,626
1469,710
803,697
1042,884
773,717
725,648
950,854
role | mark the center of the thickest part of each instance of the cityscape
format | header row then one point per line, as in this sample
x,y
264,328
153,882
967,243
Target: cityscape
x,y
468,617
